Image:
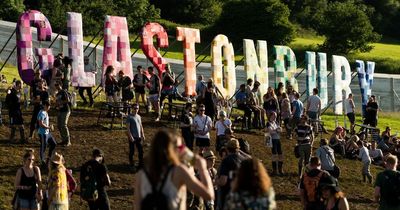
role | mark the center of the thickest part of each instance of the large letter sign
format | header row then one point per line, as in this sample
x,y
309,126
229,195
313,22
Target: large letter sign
x,y
189,36
117,51
79,78
285,73
25,55
256,63
341,81
365,81
316,76
148,32
224,75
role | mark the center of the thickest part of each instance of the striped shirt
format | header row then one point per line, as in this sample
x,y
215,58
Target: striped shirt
x,y
303,134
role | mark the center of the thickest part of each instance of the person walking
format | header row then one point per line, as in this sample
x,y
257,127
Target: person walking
x,y
333,196
313,109
28,184
297,112
326,156
139,82
164,171
135,135
305,139
40,96
57,187
154,92
168,81
13,102
88,69
274,131
186,126
46,139
95,169
63,105
366,160
252,188
386,186
202,126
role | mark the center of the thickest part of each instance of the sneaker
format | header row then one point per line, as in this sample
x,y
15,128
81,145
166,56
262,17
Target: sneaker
x,y
157,119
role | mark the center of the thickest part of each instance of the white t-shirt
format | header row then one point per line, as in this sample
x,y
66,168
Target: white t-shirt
x,y
364,155
202,123
375,153
349,106
221,126
313,102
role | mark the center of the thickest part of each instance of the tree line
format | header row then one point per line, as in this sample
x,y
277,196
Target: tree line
x,y
348,25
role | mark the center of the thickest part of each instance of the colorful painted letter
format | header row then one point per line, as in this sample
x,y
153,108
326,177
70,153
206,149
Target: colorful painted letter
x,y
341,81
285,73
256,63
148,32
117,50
189,36
25,55
223,71
316,76
365,81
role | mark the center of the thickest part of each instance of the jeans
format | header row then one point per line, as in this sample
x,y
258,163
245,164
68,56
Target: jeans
x,y
366,169
62,124
89,93
305,154
102,203
139,146
46,139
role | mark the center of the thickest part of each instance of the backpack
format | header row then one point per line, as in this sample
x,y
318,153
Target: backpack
x,y
244,145
311,186
88,183
390,190
156,200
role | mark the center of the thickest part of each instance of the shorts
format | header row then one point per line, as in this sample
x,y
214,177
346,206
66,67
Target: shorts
x,y
154,98
351,117
203,142
140,90
312,115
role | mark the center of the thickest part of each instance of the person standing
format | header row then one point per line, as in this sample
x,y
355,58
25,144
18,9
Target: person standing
x,y
349,105
366,160
304,141
111,86
57,186
242,104
64,111
154,92
372,108
96,167
125,84
28,184
200,86
67,70
40,96
186,126
297,112
286,113
221,125
88,68
135,135
313,109
139,83
274,130
209,94
168,81
386,184
13,102
46,139
202,126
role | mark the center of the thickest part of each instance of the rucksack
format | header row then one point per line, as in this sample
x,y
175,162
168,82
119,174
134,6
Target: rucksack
x,y
88,183
244,145
156,200
390,190
311,186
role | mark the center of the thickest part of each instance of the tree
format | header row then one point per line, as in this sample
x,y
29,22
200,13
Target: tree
x,y
189,11
385,17
255,19
346,28
11,9
307,13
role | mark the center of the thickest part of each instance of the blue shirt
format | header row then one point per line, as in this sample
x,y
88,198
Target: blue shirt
x,y
44,117
241,97
299,108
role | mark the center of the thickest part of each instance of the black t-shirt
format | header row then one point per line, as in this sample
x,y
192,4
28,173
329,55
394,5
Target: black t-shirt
x,y
13,100
228,167
61,97
101,173
372,112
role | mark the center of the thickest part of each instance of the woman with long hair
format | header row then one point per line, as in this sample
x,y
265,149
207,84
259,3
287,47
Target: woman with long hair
x,y
252,188
111,85
28,183
164,168
334,197
271,102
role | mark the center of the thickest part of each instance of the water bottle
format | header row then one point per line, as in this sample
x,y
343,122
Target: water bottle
x,y
73,99
187,155
268,140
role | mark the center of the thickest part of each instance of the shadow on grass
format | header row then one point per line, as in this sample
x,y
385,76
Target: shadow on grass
x,y
120,192
120,168
280,197
9,170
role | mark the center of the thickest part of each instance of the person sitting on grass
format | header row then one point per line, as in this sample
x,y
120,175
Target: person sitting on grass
x,y
337,141
375,154
352,148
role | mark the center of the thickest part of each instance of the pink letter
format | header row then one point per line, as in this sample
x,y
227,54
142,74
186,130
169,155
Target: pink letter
x,y
189,36
25,55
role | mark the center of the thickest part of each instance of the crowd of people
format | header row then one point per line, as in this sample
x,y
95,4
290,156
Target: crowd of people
x,y
178,171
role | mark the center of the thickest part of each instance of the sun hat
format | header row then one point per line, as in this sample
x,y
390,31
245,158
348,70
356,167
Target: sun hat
x,y
208,154
57,158
233,144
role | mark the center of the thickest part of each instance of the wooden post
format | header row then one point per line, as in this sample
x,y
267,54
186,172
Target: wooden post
x,y
392,95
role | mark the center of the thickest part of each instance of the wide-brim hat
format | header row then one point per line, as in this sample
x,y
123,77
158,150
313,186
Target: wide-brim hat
x,y
57,158
208,154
